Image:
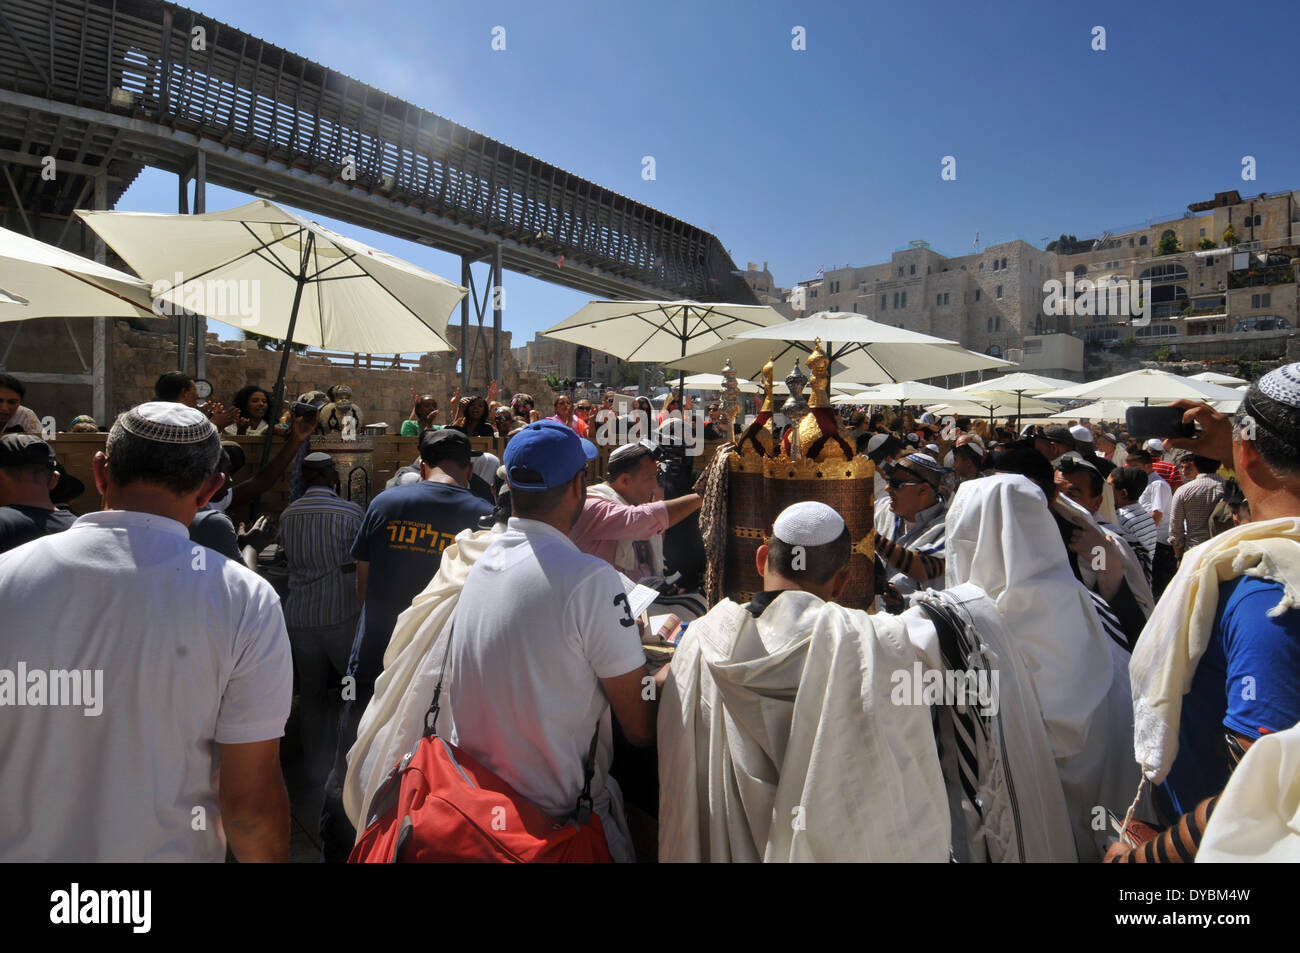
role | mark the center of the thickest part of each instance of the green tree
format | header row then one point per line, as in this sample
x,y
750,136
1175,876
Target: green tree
x,y
1169,244
1229,237
1205,244
1163,354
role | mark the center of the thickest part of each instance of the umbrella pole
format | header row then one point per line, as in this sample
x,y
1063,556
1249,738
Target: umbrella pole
x,y
277,394
1018,394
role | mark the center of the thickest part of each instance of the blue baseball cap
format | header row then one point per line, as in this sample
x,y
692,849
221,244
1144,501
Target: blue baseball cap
x,y
549,448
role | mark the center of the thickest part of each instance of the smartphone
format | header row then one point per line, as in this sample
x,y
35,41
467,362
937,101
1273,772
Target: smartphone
x,y
302,409
1145,422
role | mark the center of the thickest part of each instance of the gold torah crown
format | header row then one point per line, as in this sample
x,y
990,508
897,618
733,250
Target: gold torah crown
x,y
769,370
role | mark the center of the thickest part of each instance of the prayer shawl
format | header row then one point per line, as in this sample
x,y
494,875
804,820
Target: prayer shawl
x,y
394,719
625,560
926,536
1138,580
1257,817
1179,630
1004,794
712,486
778,741
1002,538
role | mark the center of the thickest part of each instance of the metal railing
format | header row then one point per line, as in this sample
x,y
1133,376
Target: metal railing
x,y
142,59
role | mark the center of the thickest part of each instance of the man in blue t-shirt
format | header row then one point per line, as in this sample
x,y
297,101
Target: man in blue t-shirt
x,y
1247,682
398,551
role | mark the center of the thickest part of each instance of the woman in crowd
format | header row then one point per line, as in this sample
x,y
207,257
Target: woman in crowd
x,y
252,402
473,419
565,415
524,406
424,411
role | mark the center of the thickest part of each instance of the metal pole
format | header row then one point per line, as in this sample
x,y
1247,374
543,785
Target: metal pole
x,y
496,314
99,333
464,327
182,321
200,321
277,398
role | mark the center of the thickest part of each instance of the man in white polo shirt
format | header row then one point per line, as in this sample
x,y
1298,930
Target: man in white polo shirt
x,y
154,674
534,675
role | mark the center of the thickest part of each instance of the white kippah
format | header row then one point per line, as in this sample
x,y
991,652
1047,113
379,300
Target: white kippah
x,y
1080,432
808,524
622,450
1282,385
876,442
167,422
1156,445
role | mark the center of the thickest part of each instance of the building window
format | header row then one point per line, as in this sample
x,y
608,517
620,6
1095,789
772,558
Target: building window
x,y
1142,240
835,287
1130,243
812,293
882,302
945,297
904,304
1202,233
1261,300
999,291
977,294
895,300
900,271
1004,263
997,323
990,325
913,271
1258,220
981,266
938,299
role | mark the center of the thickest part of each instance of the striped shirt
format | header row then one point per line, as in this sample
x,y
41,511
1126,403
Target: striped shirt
x,y
1139,524
1169,472
1189,523
317,531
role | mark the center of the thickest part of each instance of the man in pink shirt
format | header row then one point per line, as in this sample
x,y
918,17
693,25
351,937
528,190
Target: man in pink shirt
x,y
620,524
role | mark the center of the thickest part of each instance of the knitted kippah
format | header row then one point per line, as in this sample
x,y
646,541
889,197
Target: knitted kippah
x,y
1282,385
808,524
166,422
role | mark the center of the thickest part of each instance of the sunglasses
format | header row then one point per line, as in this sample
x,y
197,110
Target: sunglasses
x,y
896,484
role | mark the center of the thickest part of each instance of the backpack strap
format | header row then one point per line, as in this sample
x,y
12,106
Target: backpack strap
x,y
431,716
582,813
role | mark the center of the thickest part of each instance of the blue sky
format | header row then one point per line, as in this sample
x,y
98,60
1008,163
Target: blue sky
x,y
830,155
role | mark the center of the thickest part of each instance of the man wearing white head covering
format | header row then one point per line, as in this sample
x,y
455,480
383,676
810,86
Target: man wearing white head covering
x,y
184,666
1003,539
1218,665
773,710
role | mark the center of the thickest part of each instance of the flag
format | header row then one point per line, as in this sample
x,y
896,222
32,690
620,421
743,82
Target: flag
x,y
976,243
821,272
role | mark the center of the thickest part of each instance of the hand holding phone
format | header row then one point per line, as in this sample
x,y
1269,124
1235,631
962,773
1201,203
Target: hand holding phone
x,y
1162,422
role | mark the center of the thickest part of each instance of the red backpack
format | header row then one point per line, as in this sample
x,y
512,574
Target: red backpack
x,y
439,805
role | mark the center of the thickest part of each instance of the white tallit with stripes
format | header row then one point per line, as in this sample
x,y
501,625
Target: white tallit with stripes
x,y
1004,793
778,741
1002,538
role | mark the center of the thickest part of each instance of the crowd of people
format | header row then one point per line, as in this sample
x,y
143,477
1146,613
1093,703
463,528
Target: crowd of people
x,y
1134,603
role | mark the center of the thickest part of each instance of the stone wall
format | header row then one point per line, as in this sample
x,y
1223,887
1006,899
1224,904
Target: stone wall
x,y
139,357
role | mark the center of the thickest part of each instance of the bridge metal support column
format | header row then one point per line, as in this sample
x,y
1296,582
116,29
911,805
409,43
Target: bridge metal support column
x,y
200,321
465,277
99,333
498,292
182,321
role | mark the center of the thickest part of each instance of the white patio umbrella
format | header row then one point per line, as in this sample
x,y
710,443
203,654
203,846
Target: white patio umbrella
x,y
904,393
867,350
261,268
715,382
1019,384
658,332
1099,410
1214,377
1147,385
38,280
